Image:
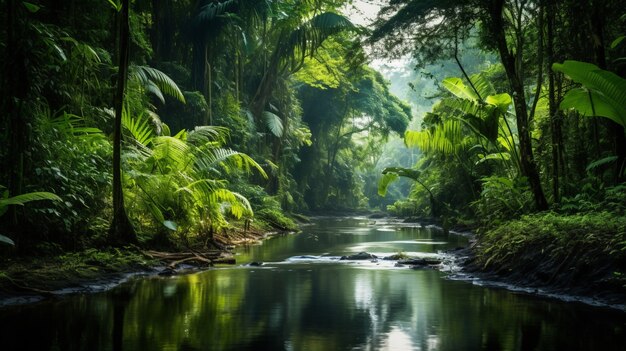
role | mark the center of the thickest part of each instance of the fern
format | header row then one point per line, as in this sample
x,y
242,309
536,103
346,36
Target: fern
x,y
601,162
139,128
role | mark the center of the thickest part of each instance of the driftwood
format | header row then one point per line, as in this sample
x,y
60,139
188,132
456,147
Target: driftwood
x,y
210,258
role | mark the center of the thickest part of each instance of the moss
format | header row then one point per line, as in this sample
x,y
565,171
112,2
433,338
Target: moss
x,y
68,269
276,218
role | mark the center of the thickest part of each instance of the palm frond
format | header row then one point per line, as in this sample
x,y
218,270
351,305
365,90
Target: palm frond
x,y
207,13
157,82
601,162
171,153
6,240
456,86
210,158
446,138
306,39
72,125
273,123
204,134
385,181
28,197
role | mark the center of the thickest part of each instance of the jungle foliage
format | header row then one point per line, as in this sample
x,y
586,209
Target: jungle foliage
x,y
169,122
521,134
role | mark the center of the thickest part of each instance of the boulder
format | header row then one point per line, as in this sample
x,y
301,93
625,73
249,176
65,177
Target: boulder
x,y
359,256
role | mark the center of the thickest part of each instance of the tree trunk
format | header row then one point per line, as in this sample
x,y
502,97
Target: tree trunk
x,y
513,69
555,127
17,82
121,230
162,29
198,66
615,130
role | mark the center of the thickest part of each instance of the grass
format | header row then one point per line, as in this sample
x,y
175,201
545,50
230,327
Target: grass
x,y
558,249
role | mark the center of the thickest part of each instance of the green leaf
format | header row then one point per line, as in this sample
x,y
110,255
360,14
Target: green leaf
x,y
500,156
502,101
32,8
170,225
617,41
24,198
607,90
117,7
384,182
139,128
456,86
157,82
274,123
6,240
591,103
597,163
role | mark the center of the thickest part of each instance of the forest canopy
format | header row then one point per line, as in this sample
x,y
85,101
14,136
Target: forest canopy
x,y
172,121
167,121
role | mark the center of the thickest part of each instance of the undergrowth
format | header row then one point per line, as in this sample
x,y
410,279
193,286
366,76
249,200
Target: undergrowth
x,y
574,246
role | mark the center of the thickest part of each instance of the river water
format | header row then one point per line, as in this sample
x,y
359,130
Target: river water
x,y
304,298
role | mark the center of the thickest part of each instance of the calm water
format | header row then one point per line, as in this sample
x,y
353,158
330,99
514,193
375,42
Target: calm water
x,y
315,303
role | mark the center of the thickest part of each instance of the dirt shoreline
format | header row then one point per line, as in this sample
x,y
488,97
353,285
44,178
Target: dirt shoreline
x,y
595,291
47,278
540,277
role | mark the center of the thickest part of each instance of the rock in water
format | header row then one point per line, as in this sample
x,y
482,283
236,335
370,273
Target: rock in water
x,y
360,256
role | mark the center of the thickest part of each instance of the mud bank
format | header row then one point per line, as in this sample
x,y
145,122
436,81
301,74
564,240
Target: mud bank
x,y
569,257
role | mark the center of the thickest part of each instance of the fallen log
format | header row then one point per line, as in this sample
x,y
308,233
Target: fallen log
x,y
175,258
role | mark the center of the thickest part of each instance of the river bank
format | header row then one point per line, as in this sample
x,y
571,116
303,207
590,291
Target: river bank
x,y
582,255
34,278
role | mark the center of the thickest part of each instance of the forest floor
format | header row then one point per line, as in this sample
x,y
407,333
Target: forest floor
x,y
579,256
33,278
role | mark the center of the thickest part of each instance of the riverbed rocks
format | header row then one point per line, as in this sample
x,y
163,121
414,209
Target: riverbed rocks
x,y
359,256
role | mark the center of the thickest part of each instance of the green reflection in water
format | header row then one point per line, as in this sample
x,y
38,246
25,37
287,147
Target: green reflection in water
x,y
314,306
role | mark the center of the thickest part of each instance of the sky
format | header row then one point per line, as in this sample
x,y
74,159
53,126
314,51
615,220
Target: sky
x,y
363,12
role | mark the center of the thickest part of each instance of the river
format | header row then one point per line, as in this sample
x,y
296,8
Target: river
x,y
304,298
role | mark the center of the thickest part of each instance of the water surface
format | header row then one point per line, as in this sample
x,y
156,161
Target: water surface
x,y
305,298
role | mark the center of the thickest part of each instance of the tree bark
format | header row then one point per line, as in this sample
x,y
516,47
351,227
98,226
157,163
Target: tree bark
x,y
17,82
555,127
615,130
513,68
121,230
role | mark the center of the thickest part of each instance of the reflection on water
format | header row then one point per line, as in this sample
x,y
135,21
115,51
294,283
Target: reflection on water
x,y
304,305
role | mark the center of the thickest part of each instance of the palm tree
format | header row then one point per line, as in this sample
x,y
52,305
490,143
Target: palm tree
x,y
121,229
179,179
292,46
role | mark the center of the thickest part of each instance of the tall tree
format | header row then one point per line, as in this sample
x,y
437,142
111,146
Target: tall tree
x,y
16,80
512,57
506,34
555,125
121,230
